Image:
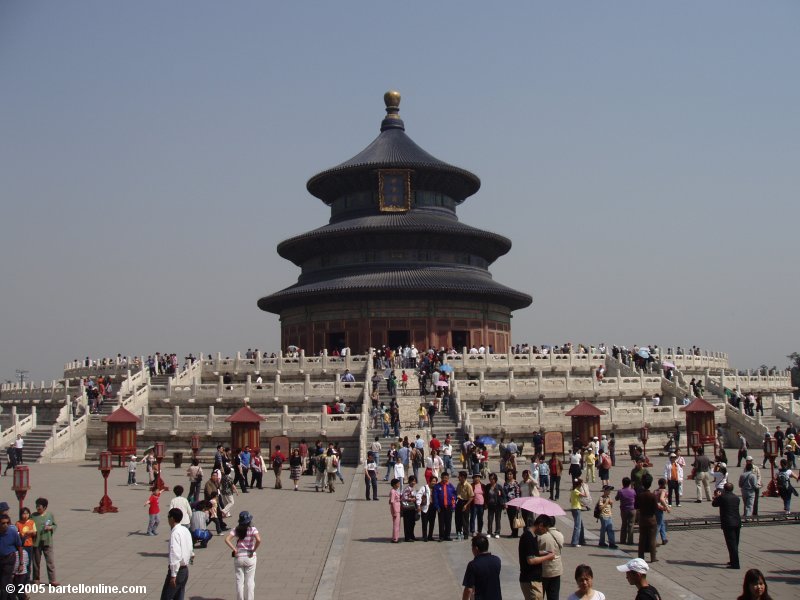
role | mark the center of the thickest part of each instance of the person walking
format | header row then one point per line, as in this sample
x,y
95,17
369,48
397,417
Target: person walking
x,y
556,468
243,541
730,520
673,473
627,499
278,458
295,467
748,484
180,556
606,505
702,477
662,506
530,562
331,467
256,470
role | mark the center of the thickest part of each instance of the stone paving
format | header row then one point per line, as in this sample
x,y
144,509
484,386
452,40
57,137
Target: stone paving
x,y
320,546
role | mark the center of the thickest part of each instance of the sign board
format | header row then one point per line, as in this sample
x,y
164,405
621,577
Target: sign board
x,y
554,442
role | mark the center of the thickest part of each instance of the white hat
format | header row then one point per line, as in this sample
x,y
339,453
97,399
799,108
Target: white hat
x,y
637,565
749,459
673,455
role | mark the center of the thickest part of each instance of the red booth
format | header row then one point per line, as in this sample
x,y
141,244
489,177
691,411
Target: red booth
x,y
585,421
245,428
700,420
121,433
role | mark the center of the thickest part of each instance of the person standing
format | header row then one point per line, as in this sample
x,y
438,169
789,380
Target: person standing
x,y
424,502
331,467
371,476
576,507
153,511
408,505
444,502
495,501
182,503
530,563
256,470
627,499
749,486
195,475
730,520
606,518
394,509
550,541
464,497
180,555
636,573
662,506
11,553
702,477
477,508
556,468
482,576
295,467
673,473
646,504
243,541
27,532
19,443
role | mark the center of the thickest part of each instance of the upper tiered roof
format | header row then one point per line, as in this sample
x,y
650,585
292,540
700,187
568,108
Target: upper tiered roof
x,y
393,149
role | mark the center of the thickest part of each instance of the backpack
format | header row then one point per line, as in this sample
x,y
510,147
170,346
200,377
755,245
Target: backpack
x,y
597,510
783,480
277,462
605,462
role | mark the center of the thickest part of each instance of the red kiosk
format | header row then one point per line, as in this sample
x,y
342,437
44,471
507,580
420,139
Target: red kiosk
x,y
245,428
121,433
701,429
585,421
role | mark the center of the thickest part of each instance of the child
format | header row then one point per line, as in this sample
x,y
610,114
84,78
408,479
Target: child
x,y
132,464
153,510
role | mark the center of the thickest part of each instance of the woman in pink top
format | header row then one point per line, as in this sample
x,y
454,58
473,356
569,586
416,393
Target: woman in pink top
x,y
394,509
246,539
476,510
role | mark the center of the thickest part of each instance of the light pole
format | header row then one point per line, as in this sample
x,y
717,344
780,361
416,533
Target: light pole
x,y
105,467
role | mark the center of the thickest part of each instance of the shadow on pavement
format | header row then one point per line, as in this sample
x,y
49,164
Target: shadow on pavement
x,y
694,563
154,554
376,540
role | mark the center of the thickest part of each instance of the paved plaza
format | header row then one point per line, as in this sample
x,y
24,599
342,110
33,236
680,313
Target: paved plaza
x,y
323,546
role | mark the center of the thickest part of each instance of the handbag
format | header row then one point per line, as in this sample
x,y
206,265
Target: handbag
x,y
518,522
408,504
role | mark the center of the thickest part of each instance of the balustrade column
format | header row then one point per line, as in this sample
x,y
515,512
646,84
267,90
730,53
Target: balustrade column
x,y
612,407
511,381
285,418
324,358
259,354
307,384
540,405
210,424
480,381
169,387
176,417
302,359
220,387
247,385
502,413
643,401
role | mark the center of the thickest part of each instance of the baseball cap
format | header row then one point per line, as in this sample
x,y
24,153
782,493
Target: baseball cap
x,y
245,518
4,506
637,565
749,459
673,455
608,487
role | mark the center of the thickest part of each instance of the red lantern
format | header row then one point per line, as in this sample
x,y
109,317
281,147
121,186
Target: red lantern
x,y
644,434
105,467
160,448
22,483
195,445
771,452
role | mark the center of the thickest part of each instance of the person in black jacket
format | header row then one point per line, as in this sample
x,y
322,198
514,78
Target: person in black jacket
x,y
730,520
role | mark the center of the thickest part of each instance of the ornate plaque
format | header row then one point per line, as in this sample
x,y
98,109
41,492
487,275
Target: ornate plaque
x,y
394,190
554,442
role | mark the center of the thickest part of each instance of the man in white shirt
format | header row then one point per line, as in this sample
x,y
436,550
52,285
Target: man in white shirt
x,y
181,503
18,444
180,555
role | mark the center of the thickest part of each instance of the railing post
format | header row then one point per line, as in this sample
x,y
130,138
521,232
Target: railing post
x,y
220,386
540,405
258,360
285,418
176,417
511,382
211,418
480,381
502,413
302,358
247,385
306,384
324,358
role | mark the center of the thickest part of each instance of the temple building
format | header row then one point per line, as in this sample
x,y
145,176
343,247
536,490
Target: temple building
x,y
394,265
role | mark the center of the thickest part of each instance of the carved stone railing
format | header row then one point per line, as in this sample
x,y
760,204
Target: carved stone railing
x,y
583,386
276,390
781,382
751,427
60,440
112,367
55,391
19,426
525,362
299,364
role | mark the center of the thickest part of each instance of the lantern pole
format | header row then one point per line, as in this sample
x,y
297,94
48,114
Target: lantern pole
x,y
105,467
645,435
160,451
22,483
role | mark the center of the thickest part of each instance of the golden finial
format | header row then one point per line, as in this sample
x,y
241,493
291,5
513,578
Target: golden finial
x,y
392,99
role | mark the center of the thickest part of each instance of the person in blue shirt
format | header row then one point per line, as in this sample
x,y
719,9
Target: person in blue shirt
x,y
482,577
10,550
444,502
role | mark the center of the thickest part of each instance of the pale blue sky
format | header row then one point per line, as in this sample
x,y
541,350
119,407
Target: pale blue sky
x,y
642,157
